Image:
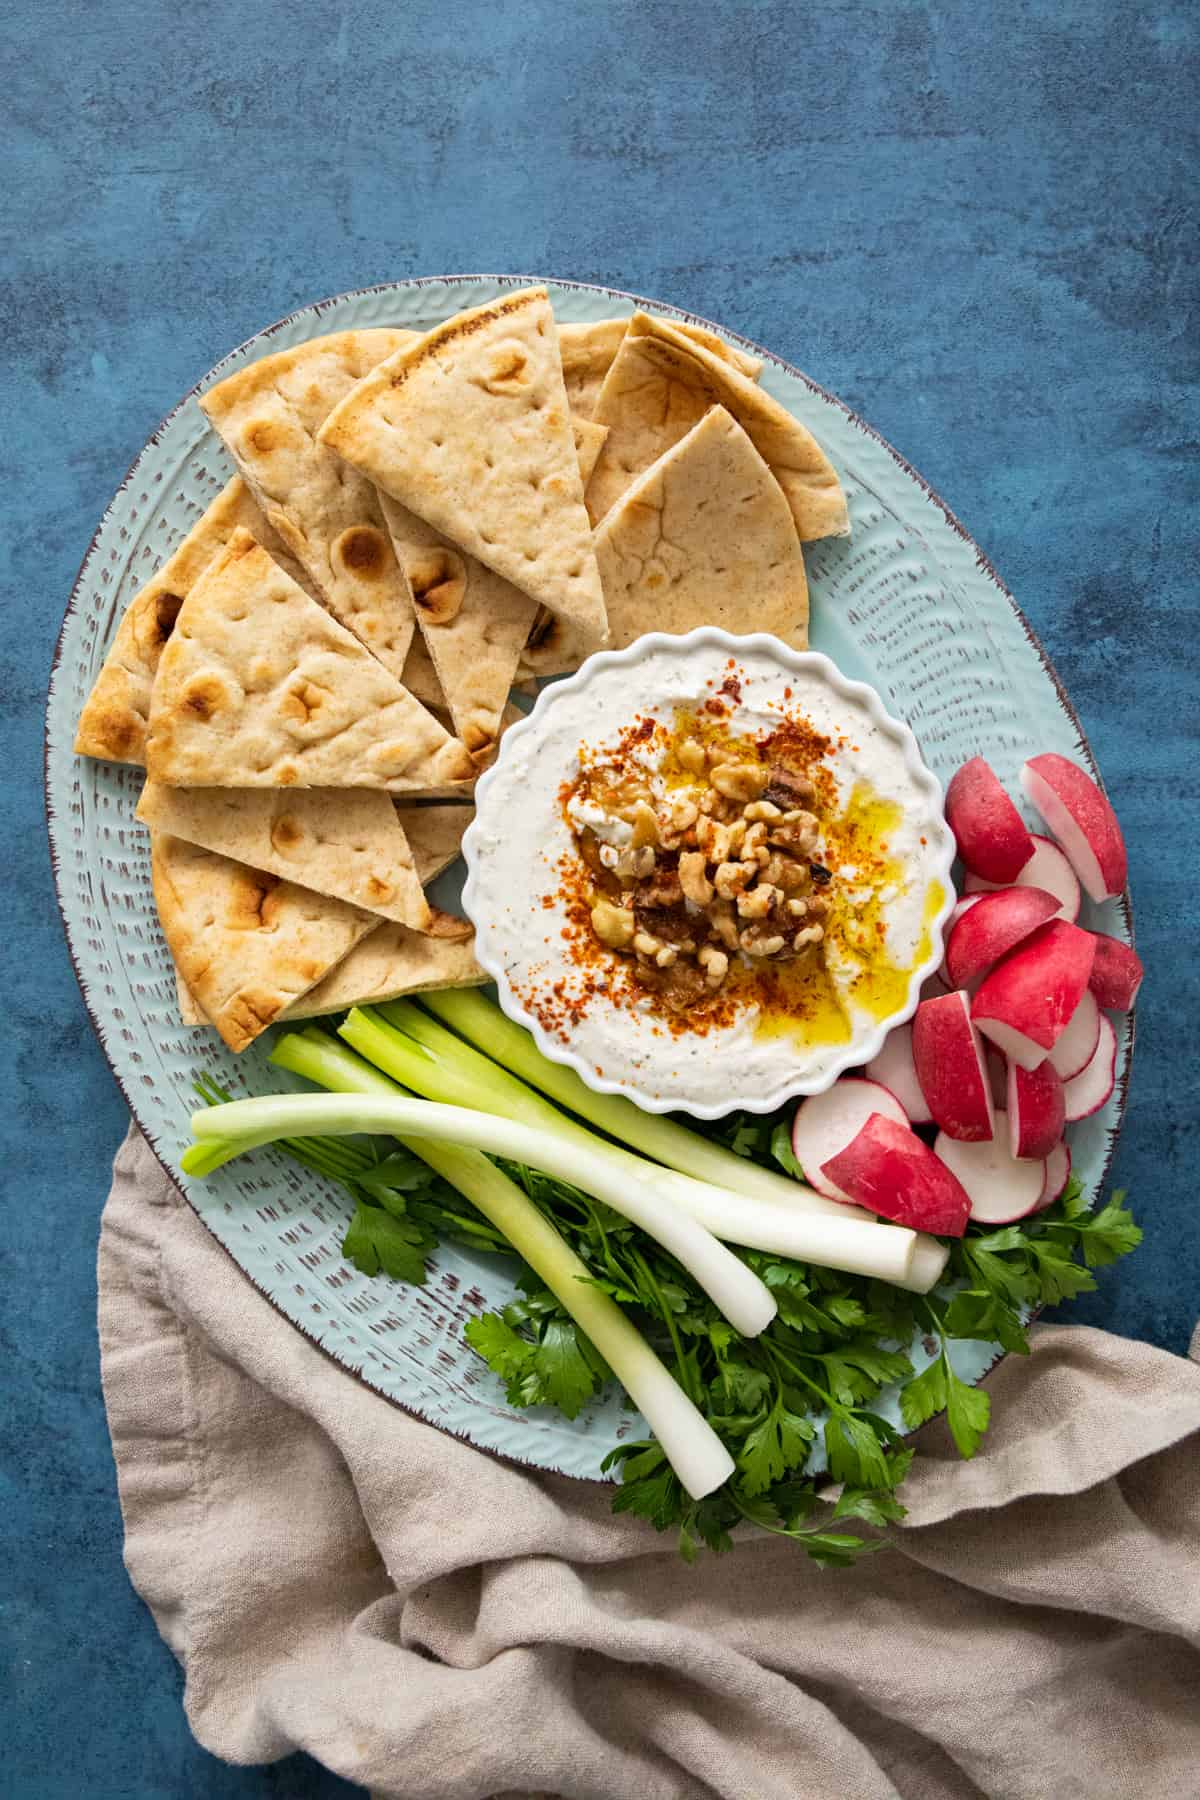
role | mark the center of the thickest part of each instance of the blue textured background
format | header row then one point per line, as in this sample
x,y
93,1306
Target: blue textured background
x,y
975,223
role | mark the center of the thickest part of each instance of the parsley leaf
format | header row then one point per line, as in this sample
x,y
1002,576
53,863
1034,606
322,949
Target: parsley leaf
x,y
567,1377
779,1443
376,1240
502,1348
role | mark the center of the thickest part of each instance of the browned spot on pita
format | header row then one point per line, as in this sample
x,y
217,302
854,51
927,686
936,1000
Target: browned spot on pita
x,y
363,551
438,578
302,701
477,739
286,834
263,435
204,695
507,368
379,890
251,907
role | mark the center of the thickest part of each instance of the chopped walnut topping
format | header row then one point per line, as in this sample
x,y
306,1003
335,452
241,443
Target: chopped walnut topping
x,y
730,879
692,878
757,903
739,781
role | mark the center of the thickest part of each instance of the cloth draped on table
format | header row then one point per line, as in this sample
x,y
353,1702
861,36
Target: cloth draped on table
x,y
338,1577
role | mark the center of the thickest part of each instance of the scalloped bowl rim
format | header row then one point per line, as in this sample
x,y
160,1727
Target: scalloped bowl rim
x,y
861,1049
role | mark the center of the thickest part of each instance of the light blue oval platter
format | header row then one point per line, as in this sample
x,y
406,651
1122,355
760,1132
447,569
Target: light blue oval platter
x,y
907,603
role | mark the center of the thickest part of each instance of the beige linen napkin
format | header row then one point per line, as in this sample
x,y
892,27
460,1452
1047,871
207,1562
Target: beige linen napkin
x,y
338,1577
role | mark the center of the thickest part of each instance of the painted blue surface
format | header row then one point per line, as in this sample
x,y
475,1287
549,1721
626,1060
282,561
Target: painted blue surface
x,y
976,224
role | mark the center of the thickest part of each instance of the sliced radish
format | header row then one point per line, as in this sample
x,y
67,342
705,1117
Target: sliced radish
x,y
1086,1092
949,1055
1047,869
1058,1173
825,1123
998,1187
888,1169
1036,1111
961,906
992,837
1026,1001
895,1070
1116,973
1078,813
1077,1045
985,927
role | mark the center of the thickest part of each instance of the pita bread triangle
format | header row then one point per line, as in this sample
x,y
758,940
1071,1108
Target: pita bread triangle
x,y
588,351
259,687
662,383
470,429
113,722
268,415
435,835
246,944
389,963
347,843
474,624
704,537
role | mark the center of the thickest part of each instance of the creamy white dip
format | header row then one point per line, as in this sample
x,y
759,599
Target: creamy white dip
x,y
520,838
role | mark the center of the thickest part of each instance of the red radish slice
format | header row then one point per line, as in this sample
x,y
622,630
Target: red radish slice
x,y
948,1052
961,906
1078,813
1026,1001
1116,973
1087,1091
1047,869
999,1187
825,1123
1036,1111
995,924
1058,1173
992,838
1077,1045
888,1169
895,1070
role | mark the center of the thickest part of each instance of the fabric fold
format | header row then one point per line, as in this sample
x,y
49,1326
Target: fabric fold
x,y
337,1576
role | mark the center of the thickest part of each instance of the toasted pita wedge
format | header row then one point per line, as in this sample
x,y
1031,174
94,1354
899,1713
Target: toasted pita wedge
x,y
473,621
348,843
588,352
470,429
420,676
435,835
389,963
662,383
189,1011
268,415
246,944
259,687
589,441
113,722
704,537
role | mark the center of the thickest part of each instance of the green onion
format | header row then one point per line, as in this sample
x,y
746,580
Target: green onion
x,y
424,1056
692,1447
246,1124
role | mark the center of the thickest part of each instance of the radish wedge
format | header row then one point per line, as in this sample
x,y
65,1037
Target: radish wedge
x,y
1077,1045
890,1170
949,1055
999,1188
895,1070
1116,973
992,837
1047,869
1078,813
1036,1111
1086,1092
826,1123
1025,1003
994,924
1058,1173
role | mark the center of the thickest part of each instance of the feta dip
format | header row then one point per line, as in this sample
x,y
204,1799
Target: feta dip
x,y
706,879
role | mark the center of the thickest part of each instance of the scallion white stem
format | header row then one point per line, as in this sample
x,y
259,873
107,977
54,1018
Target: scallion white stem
x,y
424,1056
691,1446
737,1292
